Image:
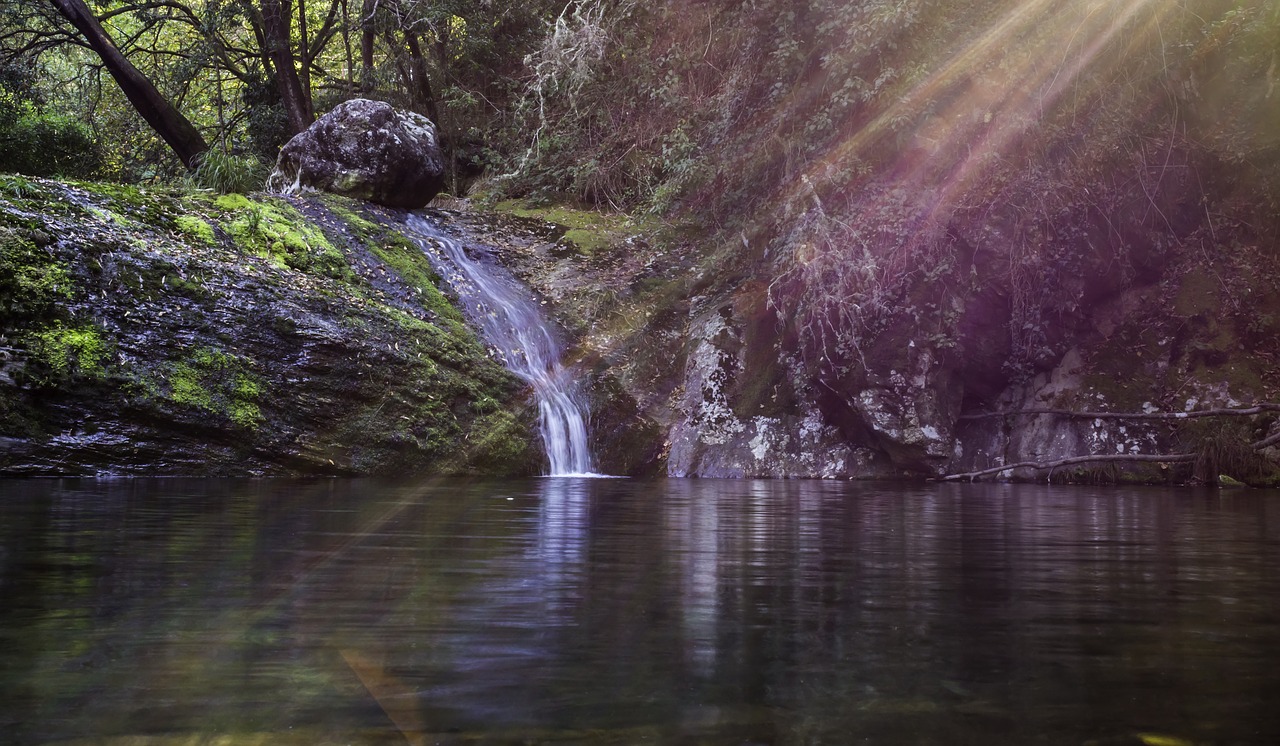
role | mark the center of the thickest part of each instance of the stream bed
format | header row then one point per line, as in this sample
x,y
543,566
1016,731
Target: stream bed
x,y
589,611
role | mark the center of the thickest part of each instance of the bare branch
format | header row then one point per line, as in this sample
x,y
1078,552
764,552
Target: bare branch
x,y
1093,459
1226,412
1267,442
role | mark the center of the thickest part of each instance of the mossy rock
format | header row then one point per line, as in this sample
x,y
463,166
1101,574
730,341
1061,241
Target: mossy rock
x,y
588,232
273,229
233,335
32,282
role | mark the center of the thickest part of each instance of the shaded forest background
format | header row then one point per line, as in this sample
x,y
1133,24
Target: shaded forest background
x,y
679,104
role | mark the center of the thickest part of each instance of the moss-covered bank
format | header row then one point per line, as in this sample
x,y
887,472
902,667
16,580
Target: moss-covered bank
x,y
156,332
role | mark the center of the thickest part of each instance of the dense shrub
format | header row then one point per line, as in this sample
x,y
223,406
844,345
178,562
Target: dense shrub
x,y
38,143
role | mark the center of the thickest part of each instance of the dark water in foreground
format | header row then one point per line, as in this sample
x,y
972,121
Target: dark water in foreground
x,y
614,612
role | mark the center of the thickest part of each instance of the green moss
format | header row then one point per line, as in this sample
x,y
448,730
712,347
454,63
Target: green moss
x,y
123,204
345,208
412,264
272,229
70,351
233,202
218,382
1128,367
32,282
499,443
588,241
196,228
185,387
126,194
401,255
245,414
590,231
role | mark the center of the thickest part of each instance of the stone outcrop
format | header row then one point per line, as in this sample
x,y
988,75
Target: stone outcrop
x,y
717,436
154,333
366,150
712,367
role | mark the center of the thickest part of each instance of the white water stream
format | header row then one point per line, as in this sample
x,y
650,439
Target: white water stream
x,y
512,324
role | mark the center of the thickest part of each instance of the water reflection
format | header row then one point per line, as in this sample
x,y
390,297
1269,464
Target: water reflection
x,y
562,537
667,612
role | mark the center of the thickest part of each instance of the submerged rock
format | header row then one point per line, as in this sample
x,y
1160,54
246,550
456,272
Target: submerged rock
x,y
366,150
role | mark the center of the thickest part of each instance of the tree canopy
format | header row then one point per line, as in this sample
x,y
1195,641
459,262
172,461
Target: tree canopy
x,y
148,80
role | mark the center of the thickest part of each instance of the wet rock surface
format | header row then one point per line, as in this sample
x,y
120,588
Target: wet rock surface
x,y
366,150
180,334
158,333
578,292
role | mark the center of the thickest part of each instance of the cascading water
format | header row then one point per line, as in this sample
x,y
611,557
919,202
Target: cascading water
x,y
512,323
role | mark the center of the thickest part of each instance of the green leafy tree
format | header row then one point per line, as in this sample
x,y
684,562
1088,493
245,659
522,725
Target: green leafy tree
x,y
176,130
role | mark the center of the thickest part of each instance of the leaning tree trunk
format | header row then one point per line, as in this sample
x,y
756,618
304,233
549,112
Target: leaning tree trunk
x,y
297,102
175,129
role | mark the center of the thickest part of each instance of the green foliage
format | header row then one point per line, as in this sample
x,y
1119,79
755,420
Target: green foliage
x,y
227,173
1223,448
48,145
266,124
37,142
18,91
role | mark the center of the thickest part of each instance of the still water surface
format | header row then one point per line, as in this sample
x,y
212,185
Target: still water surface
x,y
616,611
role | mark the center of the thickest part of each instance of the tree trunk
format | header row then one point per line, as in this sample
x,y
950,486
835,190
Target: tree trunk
x,y
420,86
297,102
367,31
304,69
175,129
346,43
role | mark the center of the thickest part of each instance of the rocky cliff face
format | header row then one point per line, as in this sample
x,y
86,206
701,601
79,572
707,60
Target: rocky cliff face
x,y
169,333
908,215
163,333
724,380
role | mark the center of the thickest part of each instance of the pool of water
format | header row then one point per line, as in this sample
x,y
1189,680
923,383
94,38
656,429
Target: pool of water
x,y
149,612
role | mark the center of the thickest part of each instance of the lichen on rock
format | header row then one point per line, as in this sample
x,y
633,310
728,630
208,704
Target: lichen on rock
x,y
366,150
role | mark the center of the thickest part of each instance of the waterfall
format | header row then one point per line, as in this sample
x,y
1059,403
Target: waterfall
x,y
512,323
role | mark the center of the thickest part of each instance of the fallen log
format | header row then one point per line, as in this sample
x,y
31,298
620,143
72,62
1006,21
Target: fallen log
x,y
1256,409
1223,412
1169,458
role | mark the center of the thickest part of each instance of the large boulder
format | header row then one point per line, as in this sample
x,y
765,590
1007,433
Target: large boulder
x,y
364,149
